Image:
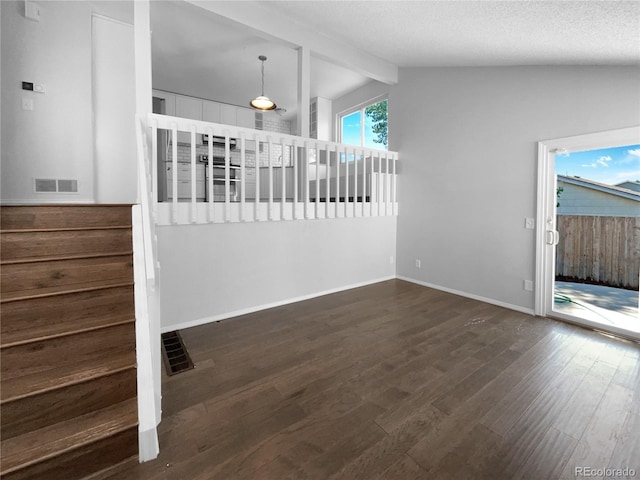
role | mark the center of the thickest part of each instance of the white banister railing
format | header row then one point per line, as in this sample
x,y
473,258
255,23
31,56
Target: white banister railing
x,y
146,300
206,172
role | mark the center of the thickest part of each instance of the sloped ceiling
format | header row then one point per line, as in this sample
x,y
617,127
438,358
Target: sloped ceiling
x,y
200,53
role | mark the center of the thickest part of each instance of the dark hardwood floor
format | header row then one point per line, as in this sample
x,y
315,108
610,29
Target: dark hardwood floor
x,y
397,381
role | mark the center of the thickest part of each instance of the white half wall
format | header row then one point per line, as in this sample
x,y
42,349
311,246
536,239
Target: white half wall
x,y
467,140
209,272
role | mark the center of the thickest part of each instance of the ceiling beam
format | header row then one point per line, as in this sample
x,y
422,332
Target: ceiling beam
x,y
257,16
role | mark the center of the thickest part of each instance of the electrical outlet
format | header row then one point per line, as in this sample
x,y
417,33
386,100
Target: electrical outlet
x,y
528,285
418,263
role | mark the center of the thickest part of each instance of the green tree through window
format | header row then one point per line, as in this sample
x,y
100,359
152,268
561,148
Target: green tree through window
x,y
377,113
365,126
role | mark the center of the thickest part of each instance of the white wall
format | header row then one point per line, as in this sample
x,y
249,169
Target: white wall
x,y
114,100
467,146
54,140
214,271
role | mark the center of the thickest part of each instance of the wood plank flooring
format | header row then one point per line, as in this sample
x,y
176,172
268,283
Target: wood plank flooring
x,y
397,381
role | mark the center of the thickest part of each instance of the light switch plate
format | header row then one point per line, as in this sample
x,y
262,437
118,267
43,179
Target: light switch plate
x,y
31,11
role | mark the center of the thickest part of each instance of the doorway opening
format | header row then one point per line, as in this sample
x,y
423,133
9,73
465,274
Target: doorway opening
x,y
588,239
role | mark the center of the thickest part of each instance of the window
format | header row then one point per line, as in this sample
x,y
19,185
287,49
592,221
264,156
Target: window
x,y
366,126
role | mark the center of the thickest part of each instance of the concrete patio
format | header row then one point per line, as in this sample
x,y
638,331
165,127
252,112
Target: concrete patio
x,y
606,305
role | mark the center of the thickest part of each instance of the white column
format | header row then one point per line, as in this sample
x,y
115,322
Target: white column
x,y
304,91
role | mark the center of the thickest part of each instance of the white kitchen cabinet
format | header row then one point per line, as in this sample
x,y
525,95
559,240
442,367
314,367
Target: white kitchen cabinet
x,y
228,114
250,183
169,101
320,118
246,118
277,183
211,111
187,107
184,181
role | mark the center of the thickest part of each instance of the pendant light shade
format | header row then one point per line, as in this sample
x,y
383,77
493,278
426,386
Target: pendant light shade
x,y
261,102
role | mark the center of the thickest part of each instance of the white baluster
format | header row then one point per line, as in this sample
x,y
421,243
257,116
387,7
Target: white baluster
x,y
295,179
174,166
209,167
242,184
193,174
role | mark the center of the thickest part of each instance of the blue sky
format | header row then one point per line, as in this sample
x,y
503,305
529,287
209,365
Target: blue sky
x,y
608,165
351,131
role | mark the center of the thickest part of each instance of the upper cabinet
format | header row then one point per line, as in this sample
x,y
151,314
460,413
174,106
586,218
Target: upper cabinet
x,y
207,110
187,107
228,114
168,102
246,118
320,118
211,111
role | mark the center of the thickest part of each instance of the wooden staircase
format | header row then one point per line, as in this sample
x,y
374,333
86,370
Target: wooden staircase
x,y
68,364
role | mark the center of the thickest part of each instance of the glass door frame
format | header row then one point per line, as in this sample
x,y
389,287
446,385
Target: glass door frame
x,y
546,233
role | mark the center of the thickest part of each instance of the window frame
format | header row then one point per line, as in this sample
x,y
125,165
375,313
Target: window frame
x,y
361,108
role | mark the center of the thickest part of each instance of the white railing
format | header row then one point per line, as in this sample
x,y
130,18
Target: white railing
x,y
146,305
254,175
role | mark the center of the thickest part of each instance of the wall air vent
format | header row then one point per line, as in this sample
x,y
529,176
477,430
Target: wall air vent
x,y
52,185
46,185
68,186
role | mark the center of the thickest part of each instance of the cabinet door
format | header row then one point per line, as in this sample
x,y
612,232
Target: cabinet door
x,y
228,114
211,111
246,118
169,102
187,107
250,183
184,181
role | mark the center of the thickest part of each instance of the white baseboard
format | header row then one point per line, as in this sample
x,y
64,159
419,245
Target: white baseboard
x,y
257,308
47,201
491,301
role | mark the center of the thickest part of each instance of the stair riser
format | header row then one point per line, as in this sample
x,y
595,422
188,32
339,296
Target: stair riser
x,y
51,354
66,273
28,245
39,411
67,357
63,216
38,317
83,461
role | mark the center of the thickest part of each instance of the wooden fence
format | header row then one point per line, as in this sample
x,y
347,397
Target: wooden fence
x,y
603,250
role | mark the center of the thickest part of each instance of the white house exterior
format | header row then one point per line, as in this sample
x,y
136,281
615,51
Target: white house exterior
x,y
580,196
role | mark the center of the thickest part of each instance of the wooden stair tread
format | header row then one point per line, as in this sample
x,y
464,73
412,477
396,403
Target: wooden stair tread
x,y
47,380
63,216
49,442
65,257
60,329
64,229
61,290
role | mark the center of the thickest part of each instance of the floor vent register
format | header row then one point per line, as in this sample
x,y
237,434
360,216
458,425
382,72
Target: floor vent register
x,y
175,355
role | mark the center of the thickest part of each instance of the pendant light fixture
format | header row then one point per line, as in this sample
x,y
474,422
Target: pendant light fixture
x,y
261,102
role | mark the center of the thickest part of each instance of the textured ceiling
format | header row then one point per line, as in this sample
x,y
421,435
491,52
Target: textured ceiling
x,y
199,53
480,32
